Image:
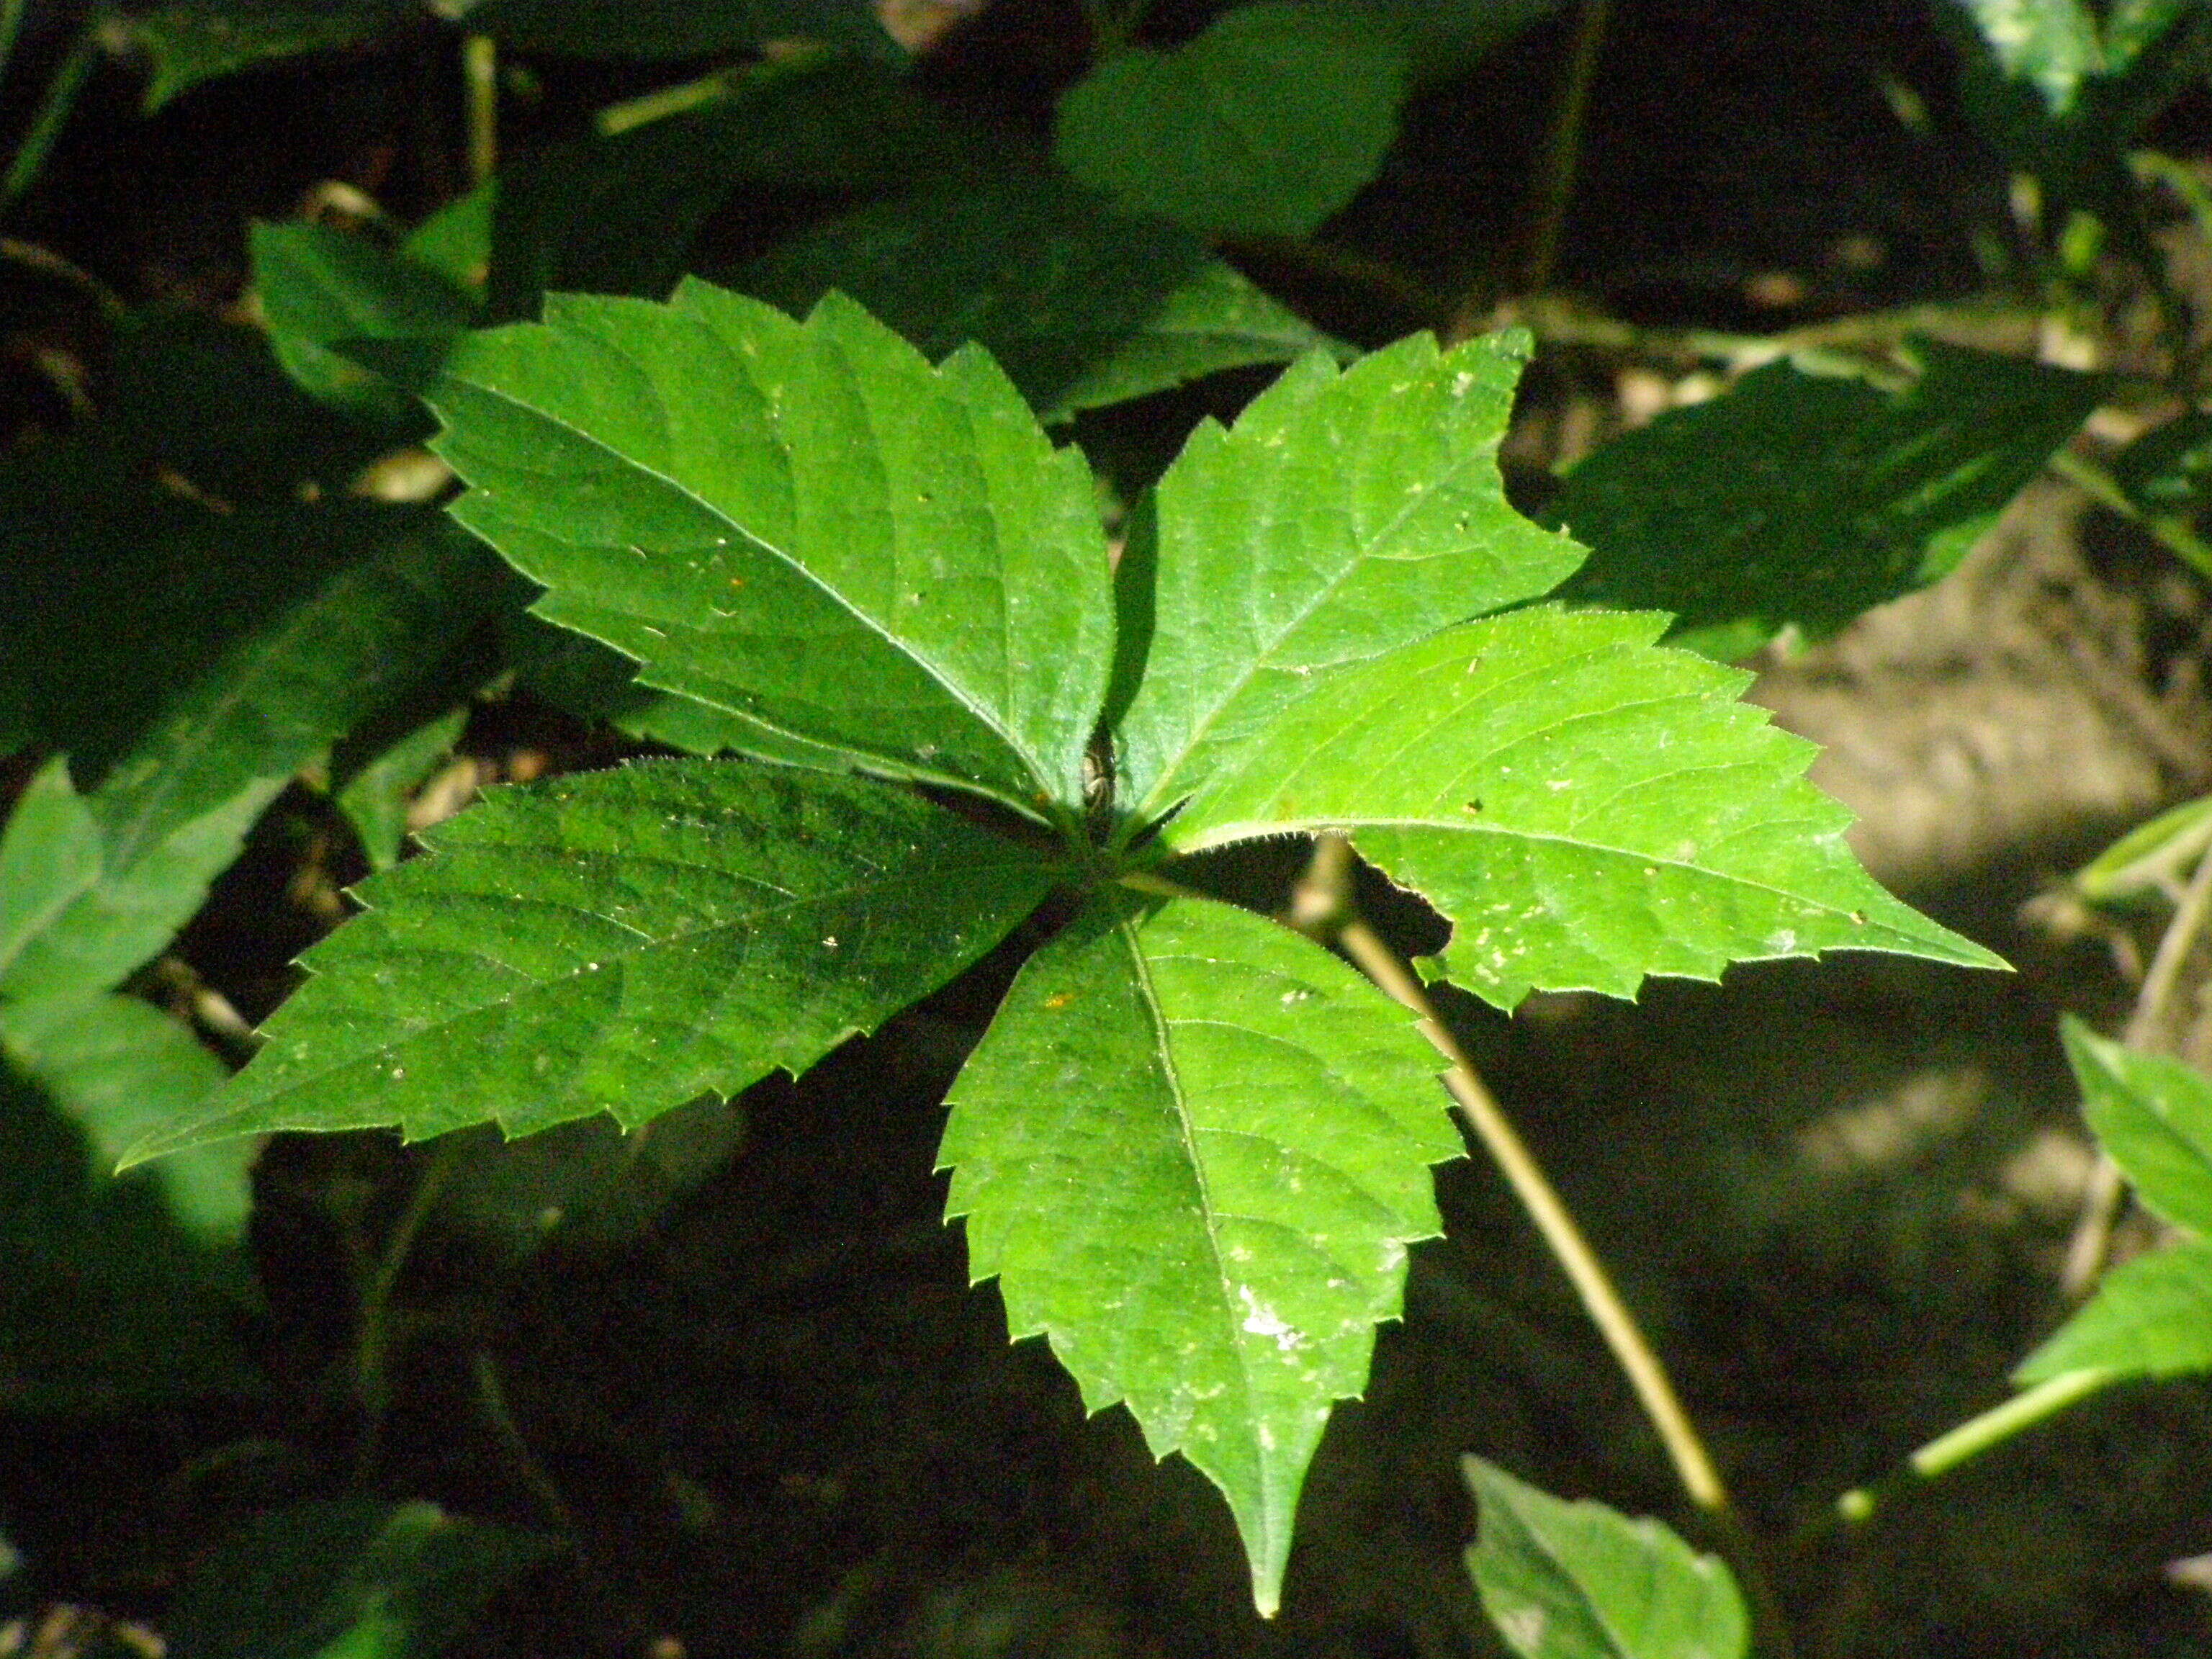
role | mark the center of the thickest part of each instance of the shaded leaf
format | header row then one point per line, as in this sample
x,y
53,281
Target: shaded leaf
x,y
1264,125
1081,305
112,1298
1193,1147
589,1181
173,811
2152,862
117,1066
375,798
2150,1317
623,942
617,213
320,288
455,242
803,524
1586,808
1579,1580
206,40
2169,468
1806,499
1345,515
2154,1115
346,1578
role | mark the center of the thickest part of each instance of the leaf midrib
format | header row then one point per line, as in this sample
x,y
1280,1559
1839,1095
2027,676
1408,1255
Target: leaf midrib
x,y
646,942
1024,805
1160,793
1148,994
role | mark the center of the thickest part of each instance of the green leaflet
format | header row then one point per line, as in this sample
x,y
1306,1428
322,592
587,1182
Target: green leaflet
x,y
1345,515
623,942
320,288
803,524
1193,1148
1579,1581
1081,305
2150,1317
117,1067
2051,43
1264,125
375,798
1806,499
2153,1115
617,213
80,909
1585,808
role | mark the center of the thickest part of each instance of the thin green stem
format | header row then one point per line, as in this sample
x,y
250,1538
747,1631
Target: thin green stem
x,y
1976,1436
1563,147
480,85
11,27
2171,532
492,1401
373,1345
53,114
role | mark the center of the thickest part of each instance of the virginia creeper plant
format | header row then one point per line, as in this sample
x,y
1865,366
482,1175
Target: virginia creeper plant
x,y
934,714
1193,1147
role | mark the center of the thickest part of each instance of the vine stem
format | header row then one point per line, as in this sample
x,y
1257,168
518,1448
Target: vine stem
x,y
52,115
1563,147
1976,1436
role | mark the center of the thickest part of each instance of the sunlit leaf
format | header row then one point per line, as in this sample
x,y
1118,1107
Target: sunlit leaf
x,y
1345,515
1585,807
2154,1115
624,942
2150,1317
803,524
1579,1580
1193,1148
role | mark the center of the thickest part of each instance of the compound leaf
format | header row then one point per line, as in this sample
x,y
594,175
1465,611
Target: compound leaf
x,y
2154,1115
1805,498
2150,1317
1579,1580
1193,1148
803,524
1344,515
624,942
1585,807
1264,125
